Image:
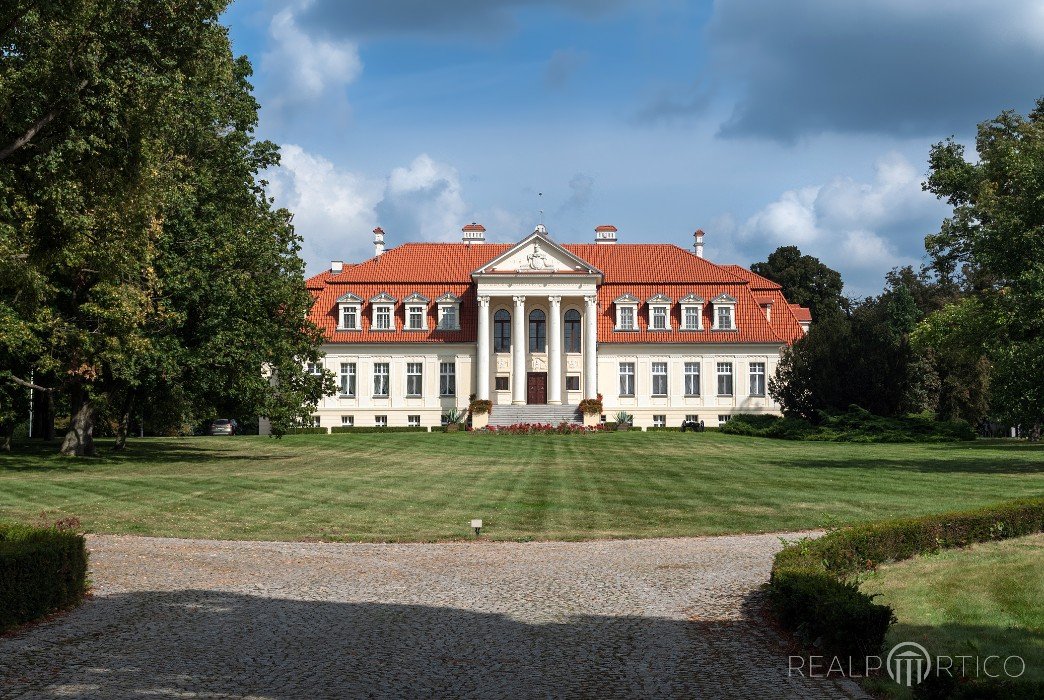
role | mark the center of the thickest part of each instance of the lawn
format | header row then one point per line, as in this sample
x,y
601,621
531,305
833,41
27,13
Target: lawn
x,y
421,487
980,601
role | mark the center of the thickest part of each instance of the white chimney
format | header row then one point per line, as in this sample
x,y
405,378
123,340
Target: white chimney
x,y
605,234
378,241
474,233
336,266
698,247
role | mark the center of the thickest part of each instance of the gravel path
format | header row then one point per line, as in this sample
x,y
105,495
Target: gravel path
x,y
193,618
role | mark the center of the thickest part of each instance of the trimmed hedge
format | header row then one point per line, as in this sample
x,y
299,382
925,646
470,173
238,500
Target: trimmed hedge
x,y
813,596
307,431
41,570
378,429
854,425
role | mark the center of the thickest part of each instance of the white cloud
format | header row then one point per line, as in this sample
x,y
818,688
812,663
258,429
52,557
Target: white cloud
x,y
423,201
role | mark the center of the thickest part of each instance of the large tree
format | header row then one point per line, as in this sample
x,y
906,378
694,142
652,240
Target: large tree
x,y
805,280
141,255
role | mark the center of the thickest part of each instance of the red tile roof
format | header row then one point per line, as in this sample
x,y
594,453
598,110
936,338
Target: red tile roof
x,y
642,269
801,313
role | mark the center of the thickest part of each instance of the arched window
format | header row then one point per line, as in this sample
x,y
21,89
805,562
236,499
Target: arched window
x,y
572,331
502,331
537,331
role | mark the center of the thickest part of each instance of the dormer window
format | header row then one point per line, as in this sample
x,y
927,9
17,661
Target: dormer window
x,y
724,312
691,312
660,313
416,312
383,306
449,312
626,312
348,312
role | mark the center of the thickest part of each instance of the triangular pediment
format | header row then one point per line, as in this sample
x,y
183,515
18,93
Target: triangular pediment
x,y
724,299
383,298
349,298
416,298
692,298
448,298
537,254
659,299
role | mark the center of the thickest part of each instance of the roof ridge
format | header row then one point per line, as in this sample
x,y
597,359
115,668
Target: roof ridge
x,y
720,267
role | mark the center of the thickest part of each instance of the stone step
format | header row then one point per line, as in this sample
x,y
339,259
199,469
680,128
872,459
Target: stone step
x,y
535,413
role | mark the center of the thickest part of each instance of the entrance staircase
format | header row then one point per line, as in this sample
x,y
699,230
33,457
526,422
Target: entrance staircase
x,y
535,413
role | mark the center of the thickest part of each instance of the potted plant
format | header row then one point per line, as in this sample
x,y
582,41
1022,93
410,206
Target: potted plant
x,y
453,418
623,420
591,407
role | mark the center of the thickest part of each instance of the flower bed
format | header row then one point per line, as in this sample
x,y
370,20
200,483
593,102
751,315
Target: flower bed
x,y
562,428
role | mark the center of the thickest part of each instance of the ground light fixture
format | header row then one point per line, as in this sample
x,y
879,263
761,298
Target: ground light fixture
x,y
476,525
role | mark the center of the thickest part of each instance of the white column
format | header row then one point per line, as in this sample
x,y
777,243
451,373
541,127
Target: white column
x,y
590,347
482,361
554,351
518,351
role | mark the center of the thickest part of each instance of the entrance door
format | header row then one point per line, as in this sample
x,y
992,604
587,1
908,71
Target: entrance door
x,y
536,387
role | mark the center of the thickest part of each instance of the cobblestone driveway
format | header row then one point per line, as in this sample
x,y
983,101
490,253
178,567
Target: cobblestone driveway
x,y
189,618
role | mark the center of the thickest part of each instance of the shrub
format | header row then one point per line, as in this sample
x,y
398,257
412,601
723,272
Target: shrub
x,y
307,431
41,570
480,406
562,428
591,407
810,588
623,417
378,429
854,425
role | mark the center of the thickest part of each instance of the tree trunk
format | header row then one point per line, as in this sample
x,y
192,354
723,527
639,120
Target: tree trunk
x,y
121,429
6,431
43,415
48,418
79,440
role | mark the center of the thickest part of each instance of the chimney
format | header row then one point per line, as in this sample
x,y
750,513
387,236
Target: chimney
x,y
336,266
699,242
474,233
605,234
378,241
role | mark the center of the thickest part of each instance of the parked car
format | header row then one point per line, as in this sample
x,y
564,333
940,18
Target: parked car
x,y
223,426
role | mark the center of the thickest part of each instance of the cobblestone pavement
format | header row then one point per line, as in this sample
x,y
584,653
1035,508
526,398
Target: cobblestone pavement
x,y
191,618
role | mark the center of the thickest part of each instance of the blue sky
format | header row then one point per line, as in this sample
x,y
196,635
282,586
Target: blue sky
x,y
764,123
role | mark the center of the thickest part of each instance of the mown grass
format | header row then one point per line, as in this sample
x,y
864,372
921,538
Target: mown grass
x,y
981,601
424,487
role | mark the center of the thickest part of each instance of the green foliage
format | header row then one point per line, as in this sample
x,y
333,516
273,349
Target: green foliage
x,y
306,430
480,406
454,415
854,425
591,407
811,588
379,429
41,570
623,417
805,281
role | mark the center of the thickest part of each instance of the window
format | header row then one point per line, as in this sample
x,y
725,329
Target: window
x,y
314,368
382,317
724,317
572,331
659,318
348,421
347,379
380,421
757,378
415,318
692,312
724,379
350,317
659,378
659,420
380,379
626,379
413,421
502,331
626,318
724,418
449,319
537,331
502,383
413,378
447,379
573,382
626,311
692,378
692,318
692,418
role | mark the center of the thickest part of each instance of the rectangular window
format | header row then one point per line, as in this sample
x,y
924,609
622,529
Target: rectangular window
x,y
659,378
692,418
724,379
447,379
413,421
725,317
314,368
347,379
572,382
413,378
349,317
448,321
380,379
348,421
757,378
383,318
502,383
723,418
626,318
626,379
692,378
415,318
380,421
659,420
692,318
659,318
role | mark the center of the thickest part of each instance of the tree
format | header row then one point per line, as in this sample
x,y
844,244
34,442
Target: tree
x,y
805,281
993,242
142,256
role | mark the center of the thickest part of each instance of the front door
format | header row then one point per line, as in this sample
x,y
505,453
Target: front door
x,y
536,387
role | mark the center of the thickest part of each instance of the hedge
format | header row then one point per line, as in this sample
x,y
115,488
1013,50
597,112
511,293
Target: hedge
x,y
307,431
378,429
810,587
41,570
854,425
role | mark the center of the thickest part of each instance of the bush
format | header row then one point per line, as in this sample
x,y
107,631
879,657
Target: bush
x,y
810,588
591,407
378,429
307,431
664,429
480,406
41,570
854,425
